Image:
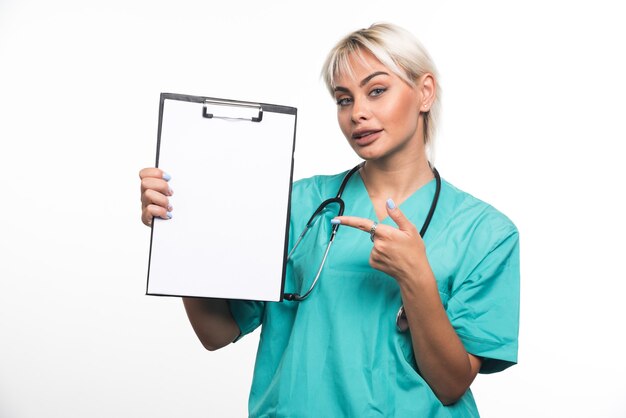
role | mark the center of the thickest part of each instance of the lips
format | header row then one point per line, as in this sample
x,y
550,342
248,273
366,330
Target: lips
x,y
363,137
363,133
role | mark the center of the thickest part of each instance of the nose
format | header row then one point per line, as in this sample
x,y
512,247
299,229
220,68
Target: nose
x,y
360,110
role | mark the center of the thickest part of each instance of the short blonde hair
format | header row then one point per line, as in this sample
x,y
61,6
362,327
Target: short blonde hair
x,y
397,49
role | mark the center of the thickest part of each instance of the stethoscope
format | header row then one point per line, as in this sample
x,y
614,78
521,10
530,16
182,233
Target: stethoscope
x,y
401,322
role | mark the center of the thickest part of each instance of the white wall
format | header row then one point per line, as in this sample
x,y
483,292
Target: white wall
x,y
533,123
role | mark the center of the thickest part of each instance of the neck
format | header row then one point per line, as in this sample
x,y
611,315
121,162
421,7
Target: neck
x,y
398,180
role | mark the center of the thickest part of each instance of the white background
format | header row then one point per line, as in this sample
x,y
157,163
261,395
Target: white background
x,y
533,123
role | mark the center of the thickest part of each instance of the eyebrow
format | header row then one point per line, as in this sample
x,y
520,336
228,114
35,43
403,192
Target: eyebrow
x,y
369,77
363,82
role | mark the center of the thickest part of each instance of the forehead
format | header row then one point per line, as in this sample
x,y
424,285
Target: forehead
x,y
355,66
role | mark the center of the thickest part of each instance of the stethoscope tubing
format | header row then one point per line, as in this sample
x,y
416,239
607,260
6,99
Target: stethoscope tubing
x,y
338,200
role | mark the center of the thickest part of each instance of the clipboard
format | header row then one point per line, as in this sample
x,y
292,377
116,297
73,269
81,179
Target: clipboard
x,y
231,164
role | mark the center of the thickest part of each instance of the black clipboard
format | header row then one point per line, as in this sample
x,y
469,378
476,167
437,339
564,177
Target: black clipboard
x,y
231,164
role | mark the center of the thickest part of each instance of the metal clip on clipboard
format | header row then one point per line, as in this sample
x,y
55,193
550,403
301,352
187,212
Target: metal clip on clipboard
x,y
238,110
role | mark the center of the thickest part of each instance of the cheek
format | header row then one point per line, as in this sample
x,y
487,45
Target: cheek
x,y
405,115
344,123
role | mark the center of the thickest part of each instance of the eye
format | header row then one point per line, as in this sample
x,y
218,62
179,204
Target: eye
x,y
377,91
344,101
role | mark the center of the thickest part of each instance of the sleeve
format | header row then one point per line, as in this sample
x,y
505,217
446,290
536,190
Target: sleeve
x,y
484,309
248,315
305,193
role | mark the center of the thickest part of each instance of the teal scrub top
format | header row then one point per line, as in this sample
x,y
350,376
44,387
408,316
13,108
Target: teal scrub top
x,y
339,353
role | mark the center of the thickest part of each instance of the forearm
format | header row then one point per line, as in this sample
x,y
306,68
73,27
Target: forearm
x,y
212,321
440,355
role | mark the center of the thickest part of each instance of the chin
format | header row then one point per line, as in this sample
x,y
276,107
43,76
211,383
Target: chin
x,y
368,153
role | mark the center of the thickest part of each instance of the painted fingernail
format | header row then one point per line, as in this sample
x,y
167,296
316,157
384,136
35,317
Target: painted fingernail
x,y
391,204
169,215
166,176
335,221
170,191
170,207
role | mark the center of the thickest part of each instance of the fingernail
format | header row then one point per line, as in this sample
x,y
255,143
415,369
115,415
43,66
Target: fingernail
x,y
391,204
170,208
169,215
170,191
335,221
166,176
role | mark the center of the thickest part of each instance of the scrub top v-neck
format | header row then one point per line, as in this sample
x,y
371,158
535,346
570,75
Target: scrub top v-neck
x,y
339,353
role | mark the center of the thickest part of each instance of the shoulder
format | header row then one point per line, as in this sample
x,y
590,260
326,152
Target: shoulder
x,y
473,217
319,186
308,193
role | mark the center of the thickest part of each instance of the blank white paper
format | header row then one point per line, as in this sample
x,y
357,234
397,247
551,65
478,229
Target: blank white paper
x,y
231,181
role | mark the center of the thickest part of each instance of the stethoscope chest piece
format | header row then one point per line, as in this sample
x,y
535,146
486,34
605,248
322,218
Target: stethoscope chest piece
x,y
401,322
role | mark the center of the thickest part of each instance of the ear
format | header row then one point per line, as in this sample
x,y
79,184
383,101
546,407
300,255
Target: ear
x,y
427,89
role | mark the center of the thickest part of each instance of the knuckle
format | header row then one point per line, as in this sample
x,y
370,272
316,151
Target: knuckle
x,y
157,210
149,194
146,218
149,172
145,183
146,198
374,263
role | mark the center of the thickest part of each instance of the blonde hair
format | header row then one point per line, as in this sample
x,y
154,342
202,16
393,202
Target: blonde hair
x,y
397,49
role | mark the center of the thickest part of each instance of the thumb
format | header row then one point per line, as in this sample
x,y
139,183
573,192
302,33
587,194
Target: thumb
x,y
398,217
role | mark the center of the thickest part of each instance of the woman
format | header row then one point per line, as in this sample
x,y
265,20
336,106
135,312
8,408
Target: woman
x,y
349,349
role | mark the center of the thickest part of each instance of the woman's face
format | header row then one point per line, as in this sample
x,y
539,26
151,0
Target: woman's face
x,y
378,112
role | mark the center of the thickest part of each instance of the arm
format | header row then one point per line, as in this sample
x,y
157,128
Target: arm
x,y
212,321
210,318
439,353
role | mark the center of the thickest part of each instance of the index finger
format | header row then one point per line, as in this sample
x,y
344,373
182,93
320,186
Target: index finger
x,y
153,172
363,224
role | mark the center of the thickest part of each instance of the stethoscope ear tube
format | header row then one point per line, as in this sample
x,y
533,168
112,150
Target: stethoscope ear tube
x,y
296,296
433,205
321,207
